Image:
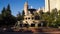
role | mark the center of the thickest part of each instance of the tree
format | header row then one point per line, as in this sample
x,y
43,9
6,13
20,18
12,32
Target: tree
x,y
1,20
8,11
54,16
19,16
58,19
3,12
23,12
46,17
40,14
8,18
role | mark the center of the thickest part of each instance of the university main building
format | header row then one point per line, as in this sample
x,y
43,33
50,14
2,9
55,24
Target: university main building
x,y
29,13
29,17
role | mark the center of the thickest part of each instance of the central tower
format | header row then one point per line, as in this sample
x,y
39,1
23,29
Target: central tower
x,y
26,8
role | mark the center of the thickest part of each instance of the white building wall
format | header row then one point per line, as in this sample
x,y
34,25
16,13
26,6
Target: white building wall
x,y
53,4
58,2
46,5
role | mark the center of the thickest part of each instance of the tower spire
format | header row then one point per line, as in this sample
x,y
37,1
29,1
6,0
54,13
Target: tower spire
x,y
26,3
26,0
26,8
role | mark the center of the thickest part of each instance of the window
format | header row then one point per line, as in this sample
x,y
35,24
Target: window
x,y
36,17
32,18
28,18
26,25
32,25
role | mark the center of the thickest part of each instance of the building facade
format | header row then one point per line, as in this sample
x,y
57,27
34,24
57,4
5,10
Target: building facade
x,y
29,13
52,4
29,17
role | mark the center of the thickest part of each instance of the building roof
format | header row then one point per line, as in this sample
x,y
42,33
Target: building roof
x,y
31,11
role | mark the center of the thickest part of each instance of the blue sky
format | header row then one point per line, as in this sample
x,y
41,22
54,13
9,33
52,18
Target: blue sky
x,y
17,5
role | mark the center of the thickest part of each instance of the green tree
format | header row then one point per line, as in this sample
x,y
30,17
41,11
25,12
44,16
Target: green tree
x,y
58,19
8,18
8,10
3,12
54,16
19,16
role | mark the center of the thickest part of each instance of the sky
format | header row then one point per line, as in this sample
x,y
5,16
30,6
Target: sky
x,y
18,5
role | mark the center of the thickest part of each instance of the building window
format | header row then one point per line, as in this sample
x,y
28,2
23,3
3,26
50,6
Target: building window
x,y
36,17
32,25
32,18
28,18
26,25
